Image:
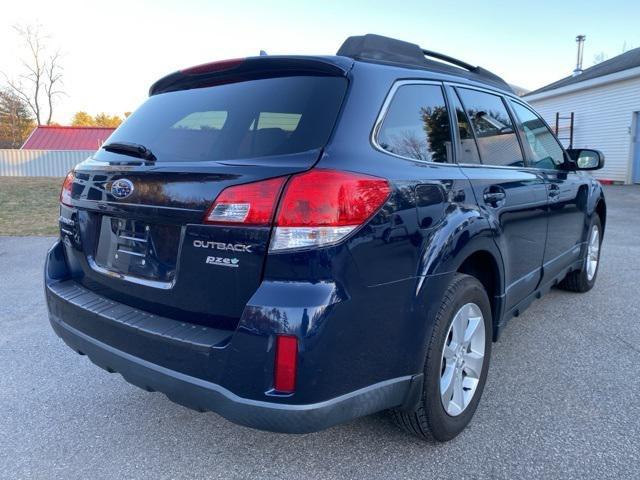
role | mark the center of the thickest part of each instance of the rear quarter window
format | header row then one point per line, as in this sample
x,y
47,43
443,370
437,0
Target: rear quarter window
x,y
416,124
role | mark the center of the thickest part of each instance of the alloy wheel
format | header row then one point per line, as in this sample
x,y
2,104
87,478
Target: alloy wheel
x,y
593,252
462,359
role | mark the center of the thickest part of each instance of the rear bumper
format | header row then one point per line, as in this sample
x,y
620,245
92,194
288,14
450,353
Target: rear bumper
x,y
74,312
202,395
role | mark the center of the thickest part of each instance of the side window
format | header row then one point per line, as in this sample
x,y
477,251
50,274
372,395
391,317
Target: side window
x,y
468,148
541,146
416,124
492,125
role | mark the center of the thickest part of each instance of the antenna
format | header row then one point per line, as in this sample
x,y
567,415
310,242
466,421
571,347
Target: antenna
x,y
580,40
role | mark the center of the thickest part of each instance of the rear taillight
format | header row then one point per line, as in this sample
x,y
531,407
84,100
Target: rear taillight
x,y
321,207
284,374
318,207
248,204
65,193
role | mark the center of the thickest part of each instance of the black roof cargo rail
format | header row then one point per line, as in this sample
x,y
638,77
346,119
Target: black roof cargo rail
x,y
448,59
376,48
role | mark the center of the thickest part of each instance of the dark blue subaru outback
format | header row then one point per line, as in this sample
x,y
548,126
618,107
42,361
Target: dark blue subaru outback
x,y
293,242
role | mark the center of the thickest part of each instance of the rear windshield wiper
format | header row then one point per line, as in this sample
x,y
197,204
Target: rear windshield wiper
x,y
131,149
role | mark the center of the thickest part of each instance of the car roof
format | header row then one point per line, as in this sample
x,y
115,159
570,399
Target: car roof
x,y
403,72
395,57
397,53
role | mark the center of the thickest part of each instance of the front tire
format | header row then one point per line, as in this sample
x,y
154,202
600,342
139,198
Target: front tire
x,y
456,365
584,279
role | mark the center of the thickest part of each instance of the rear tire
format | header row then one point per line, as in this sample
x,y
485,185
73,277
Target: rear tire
x,y
454,374
584,279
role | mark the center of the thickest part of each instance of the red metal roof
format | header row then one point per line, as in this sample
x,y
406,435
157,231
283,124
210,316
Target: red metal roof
x,y
67,138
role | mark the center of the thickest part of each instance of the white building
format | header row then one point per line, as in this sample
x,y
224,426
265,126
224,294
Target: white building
x,y
605,102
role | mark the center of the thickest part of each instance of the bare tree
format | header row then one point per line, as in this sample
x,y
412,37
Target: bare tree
x,y
42,73
53,81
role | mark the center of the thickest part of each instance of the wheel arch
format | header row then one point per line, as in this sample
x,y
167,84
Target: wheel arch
x,y
483,265
465,244
601,210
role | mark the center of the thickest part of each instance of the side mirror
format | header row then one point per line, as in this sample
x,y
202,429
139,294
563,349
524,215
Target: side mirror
x,y
586,159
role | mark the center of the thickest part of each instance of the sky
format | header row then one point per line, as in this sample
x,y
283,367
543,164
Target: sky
x,y
114,50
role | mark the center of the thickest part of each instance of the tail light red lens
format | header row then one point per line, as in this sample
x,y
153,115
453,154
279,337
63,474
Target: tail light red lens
x,y
320,207
331,198
248,204
317,208
284,377
65,193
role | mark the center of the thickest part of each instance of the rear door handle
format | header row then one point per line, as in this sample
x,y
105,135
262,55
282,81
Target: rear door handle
x,y
494,196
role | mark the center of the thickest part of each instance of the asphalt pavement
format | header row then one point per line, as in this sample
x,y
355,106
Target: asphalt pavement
x,y
562,398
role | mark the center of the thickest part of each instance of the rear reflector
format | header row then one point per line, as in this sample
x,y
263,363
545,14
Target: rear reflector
x,y
213,67
284,376
248,204
65,193
321,207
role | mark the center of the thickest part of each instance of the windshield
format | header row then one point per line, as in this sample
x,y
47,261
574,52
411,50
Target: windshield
x,y
257,118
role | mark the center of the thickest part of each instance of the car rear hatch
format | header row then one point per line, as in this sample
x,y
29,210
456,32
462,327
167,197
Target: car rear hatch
x,y
133,218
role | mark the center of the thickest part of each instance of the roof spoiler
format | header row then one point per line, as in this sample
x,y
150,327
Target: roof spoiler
x,y
373,47
250,68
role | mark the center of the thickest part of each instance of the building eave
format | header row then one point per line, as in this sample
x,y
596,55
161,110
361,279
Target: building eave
x,y
594,82
29,137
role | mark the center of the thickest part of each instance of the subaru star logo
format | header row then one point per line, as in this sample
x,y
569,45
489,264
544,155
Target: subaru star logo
x,y
121,188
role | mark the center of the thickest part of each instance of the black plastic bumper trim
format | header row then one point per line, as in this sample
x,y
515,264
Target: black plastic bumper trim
x,y
187,335
202,395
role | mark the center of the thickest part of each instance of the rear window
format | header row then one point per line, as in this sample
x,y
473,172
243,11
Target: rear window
x,y
257,118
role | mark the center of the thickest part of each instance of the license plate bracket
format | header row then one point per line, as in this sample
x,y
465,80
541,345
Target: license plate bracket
x,y
126,246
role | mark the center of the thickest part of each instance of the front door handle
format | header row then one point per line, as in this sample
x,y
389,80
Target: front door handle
x,y
494,196
554,192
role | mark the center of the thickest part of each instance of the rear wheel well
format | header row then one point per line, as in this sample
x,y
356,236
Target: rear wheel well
x,y
483,266
601,210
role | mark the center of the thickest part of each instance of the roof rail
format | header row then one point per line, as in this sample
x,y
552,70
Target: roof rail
x,y
448,59
377,48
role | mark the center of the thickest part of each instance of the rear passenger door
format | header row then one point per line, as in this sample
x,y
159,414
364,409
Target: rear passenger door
x,y
513,195
567,190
